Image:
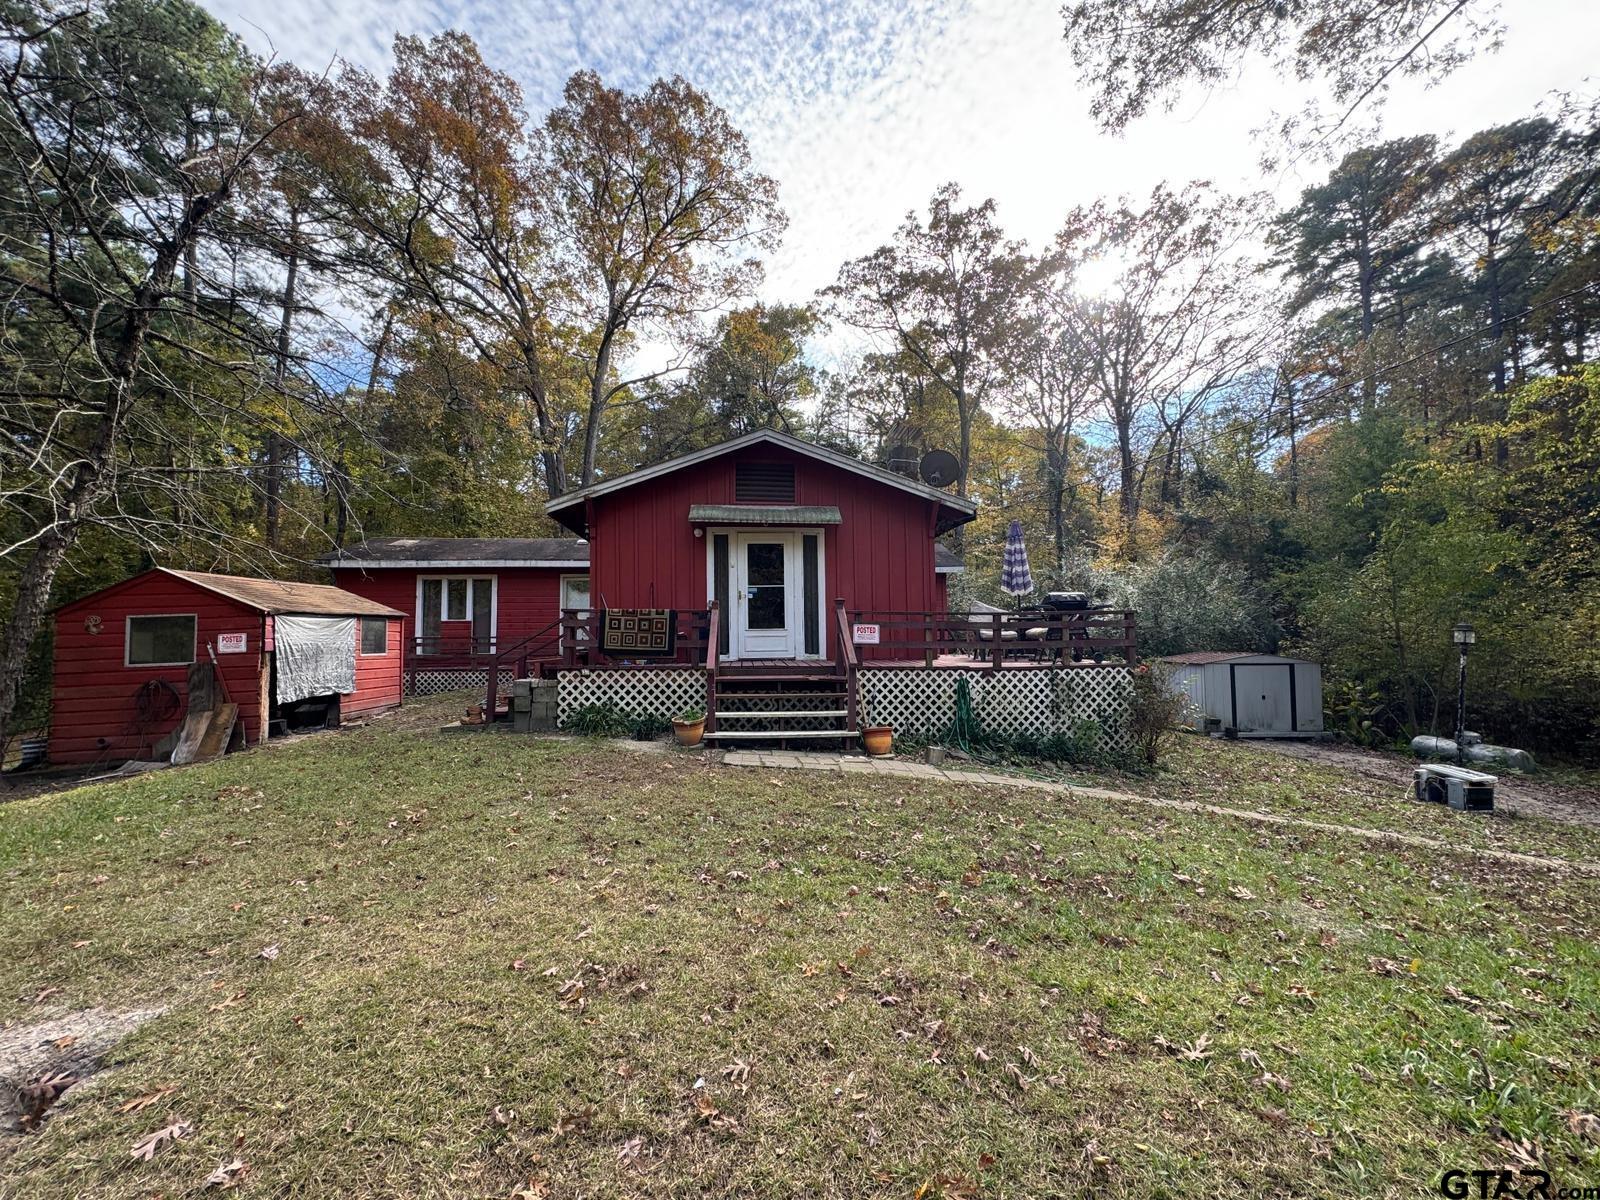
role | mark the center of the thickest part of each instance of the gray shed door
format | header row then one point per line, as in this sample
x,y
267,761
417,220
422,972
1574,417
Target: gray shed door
x,y
1261,696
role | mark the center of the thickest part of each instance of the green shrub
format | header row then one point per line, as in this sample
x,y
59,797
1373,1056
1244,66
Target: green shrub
x,y
1155,710
604,719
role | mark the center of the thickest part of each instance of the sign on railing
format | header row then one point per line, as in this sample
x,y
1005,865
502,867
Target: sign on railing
x,y
865,634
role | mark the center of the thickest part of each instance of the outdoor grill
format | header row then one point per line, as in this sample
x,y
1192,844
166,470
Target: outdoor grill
x,y
1066,601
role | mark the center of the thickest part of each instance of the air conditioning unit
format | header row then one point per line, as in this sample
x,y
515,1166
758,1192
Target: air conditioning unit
x,y
1461,789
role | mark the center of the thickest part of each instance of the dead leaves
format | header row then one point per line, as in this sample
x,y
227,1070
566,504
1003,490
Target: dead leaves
x,y
147,1147
1196,1051
572,1122
34,1098
706,1113
140,1103
228,1175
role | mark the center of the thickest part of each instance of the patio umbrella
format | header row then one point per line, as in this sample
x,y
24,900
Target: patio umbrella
x,y
1016,579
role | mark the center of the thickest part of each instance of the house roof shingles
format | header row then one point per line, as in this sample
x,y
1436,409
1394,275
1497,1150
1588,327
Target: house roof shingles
x,y
279,596
510,552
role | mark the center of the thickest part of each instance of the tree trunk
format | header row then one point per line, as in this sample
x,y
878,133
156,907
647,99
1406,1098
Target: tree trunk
x,y
597,406
92,477
280,373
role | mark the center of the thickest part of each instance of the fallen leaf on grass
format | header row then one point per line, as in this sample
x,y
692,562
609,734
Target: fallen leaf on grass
x,y
519,964
139,1103
710,1115
534,1189
269,953
1583,1124
572,1122
232,1001
228,1175
503,1116
1241,893
147,1147
570,994
737,1072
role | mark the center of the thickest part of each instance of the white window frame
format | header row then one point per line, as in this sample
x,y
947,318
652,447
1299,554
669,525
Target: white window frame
x,y
444,601
361,638
127,639
823,603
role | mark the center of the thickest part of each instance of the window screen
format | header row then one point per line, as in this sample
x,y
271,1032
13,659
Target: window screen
x,y
374,635
154,641
763,483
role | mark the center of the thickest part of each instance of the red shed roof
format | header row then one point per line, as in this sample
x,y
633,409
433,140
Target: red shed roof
x,y
268,595
569,509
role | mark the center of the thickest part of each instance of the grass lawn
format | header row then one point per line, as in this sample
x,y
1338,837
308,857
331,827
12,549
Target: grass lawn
x,y
506,967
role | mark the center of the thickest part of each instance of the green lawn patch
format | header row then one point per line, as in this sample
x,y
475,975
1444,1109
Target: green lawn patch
x,y
477,965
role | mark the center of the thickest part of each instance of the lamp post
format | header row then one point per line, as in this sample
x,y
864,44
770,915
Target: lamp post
x,y
1463,636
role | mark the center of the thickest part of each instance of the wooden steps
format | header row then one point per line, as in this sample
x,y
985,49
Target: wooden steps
x,y
801,702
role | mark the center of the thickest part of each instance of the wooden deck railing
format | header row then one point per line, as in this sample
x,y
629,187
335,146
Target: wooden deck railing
x,y
1076,636
847,660
580,641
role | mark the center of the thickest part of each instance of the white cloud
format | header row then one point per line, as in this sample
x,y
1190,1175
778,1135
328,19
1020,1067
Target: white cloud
x,y
861,108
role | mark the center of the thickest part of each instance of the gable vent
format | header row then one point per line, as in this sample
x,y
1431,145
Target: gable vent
x,y
763,483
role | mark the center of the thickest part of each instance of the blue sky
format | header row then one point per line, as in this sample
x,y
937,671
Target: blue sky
x,y
860,108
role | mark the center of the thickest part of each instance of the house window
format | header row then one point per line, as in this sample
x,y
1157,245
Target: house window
x,y
374,635
455,598
161,641
763,483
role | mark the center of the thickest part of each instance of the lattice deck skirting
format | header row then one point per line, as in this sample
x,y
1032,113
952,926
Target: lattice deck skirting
x,y
920,703
662,692
460,679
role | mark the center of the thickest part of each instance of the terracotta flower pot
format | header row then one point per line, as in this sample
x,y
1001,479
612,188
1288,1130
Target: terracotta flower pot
x,y
878,740
688,733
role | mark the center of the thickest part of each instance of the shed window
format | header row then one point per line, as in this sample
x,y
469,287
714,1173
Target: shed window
x,y
763,483
374,635
162,641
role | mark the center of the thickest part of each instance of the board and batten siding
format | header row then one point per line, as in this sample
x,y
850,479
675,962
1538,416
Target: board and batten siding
x,y
644,554
93,708
380,678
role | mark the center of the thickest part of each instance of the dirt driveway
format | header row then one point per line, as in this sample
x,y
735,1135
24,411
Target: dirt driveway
x,y
1536,797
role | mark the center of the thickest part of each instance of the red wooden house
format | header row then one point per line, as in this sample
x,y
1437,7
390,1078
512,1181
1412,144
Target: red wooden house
x,y
122,656
771,529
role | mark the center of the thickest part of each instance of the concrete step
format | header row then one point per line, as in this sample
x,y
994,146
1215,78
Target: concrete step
x,y
767,735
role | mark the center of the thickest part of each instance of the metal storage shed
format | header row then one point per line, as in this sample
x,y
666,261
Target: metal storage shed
x,y
1259,695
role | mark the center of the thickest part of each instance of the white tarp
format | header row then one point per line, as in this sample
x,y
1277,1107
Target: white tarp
x,y
316,656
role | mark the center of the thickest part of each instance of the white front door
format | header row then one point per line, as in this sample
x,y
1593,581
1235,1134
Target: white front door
x,y
766,595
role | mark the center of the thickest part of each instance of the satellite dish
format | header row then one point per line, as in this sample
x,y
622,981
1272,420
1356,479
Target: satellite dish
x,y
938,468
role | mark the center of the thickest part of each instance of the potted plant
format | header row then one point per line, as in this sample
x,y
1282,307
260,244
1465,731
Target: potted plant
x,y
877,739
689,726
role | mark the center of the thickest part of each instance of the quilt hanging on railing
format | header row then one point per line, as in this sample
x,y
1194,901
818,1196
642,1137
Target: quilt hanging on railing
x,y
639,632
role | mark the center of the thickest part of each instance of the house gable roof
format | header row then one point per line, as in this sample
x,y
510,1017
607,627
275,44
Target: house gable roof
x,y
402,552
279,596
263,595
569,509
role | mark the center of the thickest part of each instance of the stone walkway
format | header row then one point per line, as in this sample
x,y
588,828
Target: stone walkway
x,y
850,764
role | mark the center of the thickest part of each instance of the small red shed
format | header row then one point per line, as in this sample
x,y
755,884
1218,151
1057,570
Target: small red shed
x,y
122,656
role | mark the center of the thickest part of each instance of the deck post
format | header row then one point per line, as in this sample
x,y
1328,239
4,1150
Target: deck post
x,y
847,663
713,637
927,639
999,651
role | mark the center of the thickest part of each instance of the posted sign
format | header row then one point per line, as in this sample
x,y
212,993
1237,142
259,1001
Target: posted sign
x,y
231,643
864,635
